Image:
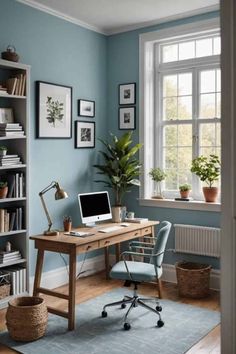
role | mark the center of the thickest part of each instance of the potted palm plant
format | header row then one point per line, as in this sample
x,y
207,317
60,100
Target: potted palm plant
x,y
120,166
184,190
208,170
157,175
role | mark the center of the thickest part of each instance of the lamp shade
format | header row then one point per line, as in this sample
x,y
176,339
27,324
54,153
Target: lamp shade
x,y
60,193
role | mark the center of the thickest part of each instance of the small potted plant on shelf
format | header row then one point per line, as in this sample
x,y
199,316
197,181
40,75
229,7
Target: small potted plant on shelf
x,y
184,190
3,190
208,170
157,175
3,150
121,168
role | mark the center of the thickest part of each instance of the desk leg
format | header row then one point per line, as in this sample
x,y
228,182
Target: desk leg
x,y
72,289
106,254
38,272
117,252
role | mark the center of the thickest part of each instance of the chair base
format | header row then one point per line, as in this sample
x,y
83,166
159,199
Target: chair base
x,y
135,301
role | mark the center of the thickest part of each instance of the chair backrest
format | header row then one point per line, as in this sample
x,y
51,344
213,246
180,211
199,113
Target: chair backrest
x,y
160,244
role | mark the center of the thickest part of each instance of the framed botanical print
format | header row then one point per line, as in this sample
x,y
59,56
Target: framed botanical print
x,y
127,118
127,94
86,108
54,111
84,134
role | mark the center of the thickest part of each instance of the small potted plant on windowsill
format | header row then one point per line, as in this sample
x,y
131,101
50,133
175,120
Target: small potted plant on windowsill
x,y
208,170
3,150
157,175
3,190
184,190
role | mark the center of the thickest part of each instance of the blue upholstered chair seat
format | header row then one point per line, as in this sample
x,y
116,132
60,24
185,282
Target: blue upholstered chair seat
x,y
139,271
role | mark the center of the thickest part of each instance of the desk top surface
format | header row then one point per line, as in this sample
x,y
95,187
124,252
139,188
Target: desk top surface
x,y
62,238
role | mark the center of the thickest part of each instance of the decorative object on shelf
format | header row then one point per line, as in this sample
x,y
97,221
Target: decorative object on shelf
x,y
130,215
8,246
27,318
5,285
60,194
54,110
127,93
157,175
208,170
86,108
120,166
184,190
127,118
10,54
3,190
6,115
3,150
67,223
84,134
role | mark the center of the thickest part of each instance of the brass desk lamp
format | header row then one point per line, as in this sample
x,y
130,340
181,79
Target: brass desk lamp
x,y
60,194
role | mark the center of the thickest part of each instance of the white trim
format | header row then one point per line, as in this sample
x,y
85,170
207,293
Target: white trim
x,y
80,23
173,204
59,14
169,275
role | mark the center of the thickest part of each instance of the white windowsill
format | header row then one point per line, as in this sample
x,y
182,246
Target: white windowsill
x,y
173,204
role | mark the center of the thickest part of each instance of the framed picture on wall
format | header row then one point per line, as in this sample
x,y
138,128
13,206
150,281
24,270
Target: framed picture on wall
x,y
54,111
127,93
84,134
127,118
86,108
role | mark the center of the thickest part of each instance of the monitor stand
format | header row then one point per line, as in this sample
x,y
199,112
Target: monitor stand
x,y
91,224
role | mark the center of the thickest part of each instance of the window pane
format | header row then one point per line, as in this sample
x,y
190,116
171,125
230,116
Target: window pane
x,y
185,135
185,84
185,107
170,108
218,134
216,46
207,106
170,53
184,158
203,47
218,80
170,85
186,50
171,179
170,136
218,105
207,81
184,177
207,135
207,151
170,157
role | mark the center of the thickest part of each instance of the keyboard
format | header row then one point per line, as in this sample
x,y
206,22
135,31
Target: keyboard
x,y
111,228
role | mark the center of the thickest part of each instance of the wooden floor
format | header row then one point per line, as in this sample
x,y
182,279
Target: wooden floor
x,y
95,285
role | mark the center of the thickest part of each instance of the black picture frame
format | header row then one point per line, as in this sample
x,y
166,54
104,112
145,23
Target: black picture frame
x,y
127,94
84,139
50,98
127,118
86,108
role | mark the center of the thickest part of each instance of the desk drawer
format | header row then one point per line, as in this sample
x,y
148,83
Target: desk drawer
x,y
88,247
146,231
119,238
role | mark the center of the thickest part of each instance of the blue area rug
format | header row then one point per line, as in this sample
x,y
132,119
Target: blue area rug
x,y
184,326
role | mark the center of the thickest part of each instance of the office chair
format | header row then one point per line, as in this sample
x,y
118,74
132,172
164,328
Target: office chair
x,y
137,272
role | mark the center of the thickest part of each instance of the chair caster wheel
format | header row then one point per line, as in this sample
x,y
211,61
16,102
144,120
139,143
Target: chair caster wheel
x,y
123,306
160,323
104,314
127,326
159,308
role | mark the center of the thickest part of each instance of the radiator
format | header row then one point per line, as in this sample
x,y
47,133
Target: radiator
x,y
200,240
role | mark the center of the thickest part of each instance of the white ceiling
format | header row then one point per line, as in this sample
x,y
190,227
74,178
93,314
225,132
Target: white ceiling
x,y
113,16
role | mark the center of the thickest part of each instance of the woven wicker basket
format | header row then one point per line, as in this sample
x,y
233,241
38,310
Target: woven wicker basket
x,y
193,279
4,290
26,318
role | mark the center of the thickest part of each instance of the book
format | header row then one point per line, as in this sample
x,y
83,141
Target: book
x,y
9,125
11,85
11,133
7,254
136,220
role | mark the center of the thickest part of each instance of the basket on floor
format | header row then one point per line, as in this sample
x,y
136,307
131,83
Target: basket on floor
x,y
26,318
193,279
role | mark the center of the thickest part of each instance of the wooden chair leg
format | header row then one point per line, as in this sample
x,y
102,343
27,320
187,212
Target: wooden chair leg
x,y
38,272
159,287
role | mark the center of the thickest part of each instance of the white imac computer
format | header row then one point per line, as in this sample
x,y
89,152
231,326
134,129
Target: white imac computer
x,y
94,207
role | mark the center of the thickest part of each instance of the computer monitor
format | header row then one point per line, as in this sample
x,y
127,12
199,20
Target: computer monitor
x,y
94,207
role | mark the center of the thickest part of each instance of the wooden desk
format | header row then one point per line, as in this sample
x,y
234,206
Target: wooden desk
x,y
75,245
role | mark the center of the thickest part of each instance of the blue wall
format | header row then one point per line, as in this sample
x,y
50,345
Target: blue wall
x,y
94,65
123,67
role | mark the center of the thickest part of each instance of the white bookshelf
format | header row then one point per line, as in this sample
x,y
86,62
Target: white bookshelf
x,y
16,145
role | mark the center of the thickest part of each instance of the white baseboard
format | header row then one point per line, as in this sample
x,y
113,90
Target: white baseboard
x,y
59,276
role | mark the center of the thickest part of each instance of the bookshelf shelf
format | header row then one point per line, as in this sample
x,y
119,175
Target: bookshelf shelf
x,y
14,210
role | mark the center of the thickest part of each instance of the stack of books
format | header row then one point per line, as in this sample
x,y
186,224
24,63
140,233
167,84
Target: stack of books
x,y
3,90
7,160
11,220
17,279
16,85
9,257
136,220
16,184
11,129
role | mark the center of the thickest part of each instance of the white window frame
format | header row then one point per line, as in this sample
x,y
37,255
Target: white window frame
x,y
147,94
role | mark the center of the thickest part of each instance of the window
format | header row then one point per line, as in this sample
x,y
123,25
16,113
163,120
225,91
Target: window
x,y
183,86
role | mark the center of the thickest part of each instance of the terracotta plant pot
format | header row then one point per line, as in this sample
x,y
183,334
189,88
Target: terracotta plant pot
x,y
210,194
3,192
67,225
184,194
